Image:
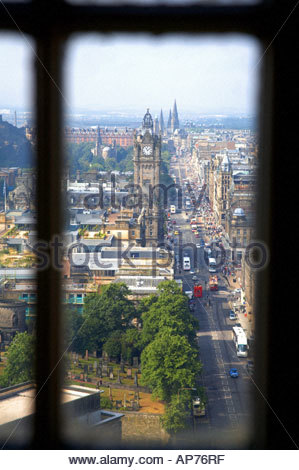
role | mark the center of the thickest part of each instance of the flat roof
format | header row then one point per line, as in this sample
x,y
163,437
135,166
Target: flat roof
x,y
21,404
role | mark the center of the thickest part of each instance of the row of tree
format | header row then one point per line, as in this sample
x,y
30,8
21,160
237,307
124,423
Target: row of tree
x,y
80,157
165,342
169,360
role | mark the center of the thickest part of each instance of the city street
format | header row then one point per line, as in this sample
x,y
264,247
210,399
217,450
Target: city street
x,y
228,405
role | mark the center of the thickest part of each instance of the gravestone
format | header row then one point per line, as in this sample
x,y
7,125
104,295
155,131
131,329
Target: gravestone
x,y
90,368
81,376
122,367
86,355
110,370
129,372
118,377
135,406
135,362
99,372
106,356
94,354
105,370
95,365
111,376
85,369
136,379
80,365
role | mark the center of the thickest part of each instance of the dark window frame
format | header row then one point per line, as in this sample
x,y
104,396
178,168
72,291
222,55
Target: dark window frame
x,y
50,23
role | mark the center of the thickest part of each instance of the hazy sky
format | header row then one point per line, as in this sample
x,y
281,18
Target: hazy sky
x,y
210,74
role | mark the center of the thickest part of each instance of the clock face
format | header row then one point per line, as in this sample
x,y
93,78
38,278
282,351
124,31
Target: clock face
x,y
147,150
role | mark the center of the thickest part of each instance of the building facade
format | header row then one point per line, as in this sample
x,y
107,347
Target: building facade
x,y
147,162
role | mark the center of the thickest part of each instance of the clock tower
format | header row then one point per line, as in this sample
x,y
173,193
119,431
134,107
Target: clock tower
x,y
147,162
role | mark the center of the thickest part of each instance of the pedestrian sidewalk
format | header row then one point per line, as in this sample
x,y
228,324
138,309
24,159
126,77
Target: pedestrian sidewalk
x,y
244,318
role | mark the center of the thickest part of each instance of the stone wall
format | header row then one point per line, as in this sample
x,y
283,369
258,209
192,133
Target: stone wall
x,y
142,429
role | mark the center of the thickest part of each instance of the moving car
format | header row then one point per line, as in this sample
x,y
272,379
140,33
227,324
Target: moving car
x,y
232,315
198,245
233,373
194,278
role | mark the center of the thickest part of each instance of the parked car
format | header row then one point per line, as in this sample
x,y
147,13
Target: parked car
x,y
194,278
233,373
232,315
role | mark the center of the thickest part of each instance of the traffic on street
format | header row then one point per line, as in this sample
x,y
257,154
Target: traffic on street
x,y
216,304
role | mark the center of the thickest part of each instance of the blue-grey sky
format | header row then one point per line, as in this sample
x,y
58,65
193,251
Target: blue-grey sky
x,y
209,74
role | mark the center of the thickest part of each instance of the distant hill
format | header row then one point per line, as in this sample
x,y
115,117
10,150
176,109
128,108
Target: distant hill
x,y
15,150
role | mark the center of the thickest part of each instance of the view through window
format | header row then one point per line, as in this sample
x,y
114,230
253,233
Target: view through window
x,y
158,273
18,289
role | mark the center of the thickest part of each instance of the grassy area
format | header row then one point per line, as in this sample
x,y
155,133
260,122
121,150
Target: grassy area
x,y
147,405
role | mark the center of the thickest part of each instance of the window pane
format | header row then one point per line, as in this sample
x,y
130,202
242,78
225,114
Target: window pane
x,y
146,115
17,236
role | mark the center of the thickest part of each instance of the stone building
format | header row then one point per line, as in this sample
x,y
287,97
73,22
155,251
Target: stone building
x,y
222,183
147,162
12,319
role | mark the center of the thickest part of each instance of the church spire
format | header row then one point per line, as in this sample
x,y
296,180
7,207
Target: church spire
x,y
169,120
175,118
161,123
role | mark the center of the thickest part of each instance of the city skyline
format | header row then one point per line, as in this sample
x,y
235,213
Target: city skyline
x,y
210,75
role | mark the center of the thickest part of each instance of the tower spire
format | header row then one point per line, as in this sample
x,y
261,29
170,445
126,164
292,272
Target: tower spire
x,y
161,123
175,118
169,120
147,122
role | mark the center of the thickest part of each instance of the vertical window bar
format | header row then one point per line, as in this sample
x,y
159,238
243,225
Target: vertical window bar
x,y
49,153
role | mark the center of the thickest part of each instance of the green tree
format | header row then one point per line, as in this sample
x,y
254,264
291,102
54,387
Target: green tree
x,y
169,363
113,345
73,321
176,413
104,313
168,310
131,344
20,361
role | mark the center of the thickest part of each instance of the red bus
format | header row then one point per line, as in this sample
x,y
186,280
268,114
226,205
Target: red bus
x,y
197,291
